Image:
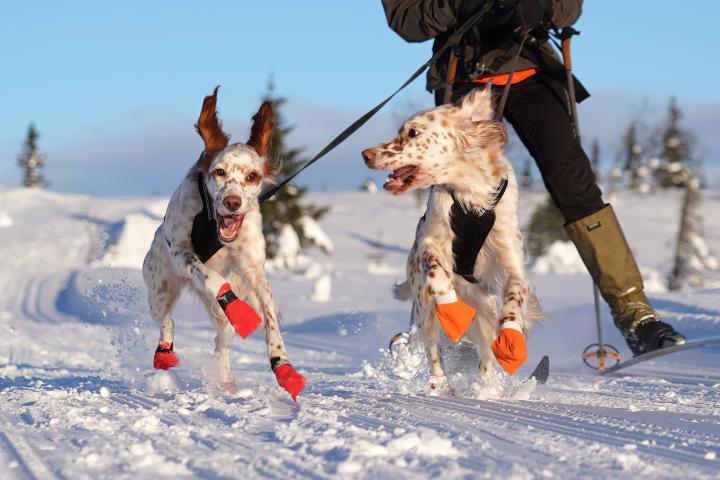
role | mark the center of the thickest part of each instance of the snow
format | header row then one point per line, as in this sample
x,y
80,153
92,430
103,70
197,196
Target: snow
x,y
79,397
322,289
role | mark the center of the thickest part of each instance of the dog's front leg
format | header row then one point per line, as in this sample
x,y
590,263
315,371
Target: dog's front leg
x,y
454,315
510,348
438,290
215,288
287,377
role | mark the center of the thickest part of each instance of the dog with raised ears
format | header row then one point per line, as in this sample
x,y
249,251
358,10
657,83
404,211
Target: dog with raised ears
x,y
458,151
212,241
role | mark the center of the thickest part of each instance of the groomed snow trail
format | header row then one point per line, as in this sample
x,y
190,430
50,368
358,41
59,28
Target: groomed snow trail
x,y
79,399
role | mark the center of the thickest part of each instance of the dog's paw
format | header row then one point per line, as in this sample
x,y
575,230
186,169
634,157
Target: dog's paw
x,y
165,357
289,379
240,315
229,387
440,387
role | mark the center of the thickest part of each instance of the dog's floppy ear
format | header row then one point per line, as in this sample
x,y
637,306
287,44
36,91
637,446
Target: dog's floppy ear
x,y
262,129
477,106
210,129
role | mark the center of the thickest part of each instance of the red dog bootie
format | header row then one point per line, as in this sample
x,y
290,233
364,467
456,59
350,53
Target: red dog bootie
x,y
241,315
165,358
510,348
454,315
289,379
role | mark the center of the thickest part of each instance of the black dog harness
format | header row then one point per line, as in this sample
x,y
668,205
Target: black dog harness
x,y
471,229
204,231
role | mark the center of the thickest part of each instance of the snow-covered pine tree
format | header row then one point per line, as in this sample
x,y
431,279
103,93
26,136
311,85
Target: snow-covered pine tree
x,y
31,161
677,166
631,155
286,207
693,259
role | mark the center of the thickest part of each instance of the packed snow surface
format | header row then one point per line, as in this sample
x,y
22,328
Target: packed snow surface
x,y
79,398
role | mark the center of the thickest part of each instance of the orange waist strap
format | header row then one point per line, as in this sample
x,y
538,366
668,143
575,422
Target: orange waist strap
x,y
502,78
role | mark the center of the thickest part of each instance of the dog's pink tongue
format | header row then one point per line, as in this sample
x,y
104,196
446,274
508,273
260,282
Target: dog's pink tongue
x,y
230,226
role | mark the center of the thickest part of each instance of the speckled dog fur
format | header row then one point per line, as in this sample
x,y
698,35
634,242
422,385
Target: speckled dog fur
x,y
171,264
460,148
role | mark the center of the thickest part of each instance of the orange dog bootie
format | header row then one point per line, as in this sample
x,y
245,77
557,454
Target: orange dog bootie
x,y
454,315
510,348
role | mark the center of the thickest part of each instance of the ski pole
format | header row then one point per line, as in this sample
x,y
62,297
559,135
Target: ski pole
x,y
566,36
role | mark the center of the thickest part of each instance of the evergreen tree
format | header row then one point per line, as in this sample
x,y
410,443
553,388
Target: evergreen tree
x,y
285,207
31,161
692,257
632,156
544,228
677,167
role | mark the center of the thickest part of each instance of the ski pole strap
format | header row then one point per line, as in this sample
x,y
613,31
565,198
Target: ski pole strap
x,y
451,42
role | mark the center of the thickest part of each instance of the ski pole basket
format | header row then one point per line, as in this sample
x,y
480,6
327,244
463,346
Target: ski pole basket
x,y
596,356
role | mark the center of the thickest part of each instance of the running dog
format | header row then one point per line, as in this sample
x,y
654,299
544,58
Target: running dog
x,y
458,151
212,241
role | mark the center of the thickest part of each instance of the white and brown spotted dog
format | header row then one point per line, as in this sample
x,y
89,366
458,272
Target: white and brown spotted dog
x,y
459,149
231,176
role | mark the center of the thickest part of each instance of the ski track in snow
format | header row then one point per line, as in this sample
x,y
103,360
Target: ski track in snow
x,y
78,399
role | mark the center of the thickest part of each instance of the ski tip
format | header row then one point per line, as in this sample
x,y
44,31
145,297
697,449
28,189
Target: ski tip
x,y
542,371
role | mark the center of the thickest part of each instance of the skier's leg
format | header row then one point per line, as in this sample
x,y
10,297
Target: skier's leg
x,y
541,120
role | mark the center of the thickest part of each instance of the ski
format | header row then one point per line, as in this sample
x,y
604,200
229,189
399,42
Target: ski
x,y
688,345
542,371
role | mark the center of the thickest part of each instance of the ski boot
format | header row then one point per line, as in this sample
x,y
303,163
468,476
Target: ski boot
x,y
607,256
652,334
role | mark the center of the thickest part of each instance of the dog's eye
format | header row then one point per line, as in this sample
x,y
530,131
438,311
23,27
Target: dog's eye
x,y
412,133
252,177
219,172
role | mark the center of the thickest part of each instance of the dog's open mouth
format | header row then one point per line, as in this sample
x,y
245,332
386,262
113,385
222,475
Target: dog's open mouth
x,y
229,227
400,179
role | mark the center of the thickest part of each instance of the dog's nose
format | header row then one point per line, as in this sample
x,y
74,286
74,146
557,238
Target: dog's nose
x,y
368,156
232,203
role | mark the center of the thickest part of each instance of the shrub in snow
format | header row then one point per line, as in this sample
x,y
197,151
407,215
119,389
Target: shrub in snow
x,y
544,228
287,248
311,230
368,186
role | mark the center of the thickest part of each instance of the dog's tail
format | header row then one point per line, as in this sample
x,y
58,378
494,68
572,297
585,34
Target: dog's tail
x,y
401,291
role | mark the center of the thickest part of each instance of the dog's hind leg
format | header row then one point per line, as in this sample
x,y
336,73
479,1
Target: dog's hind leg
x,y
163,291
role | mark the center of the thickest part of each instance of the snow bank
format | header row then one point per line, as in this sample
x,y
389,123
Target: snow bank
x,y
5,220
128,249
561,258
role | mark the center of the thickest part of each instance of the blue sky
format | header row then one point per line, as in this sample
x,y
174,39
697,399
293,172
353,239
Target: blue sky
x,y
115,87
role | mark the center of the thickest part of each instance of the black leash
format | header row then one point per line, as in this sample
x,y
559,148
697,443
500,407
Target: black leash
x,y
451,42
